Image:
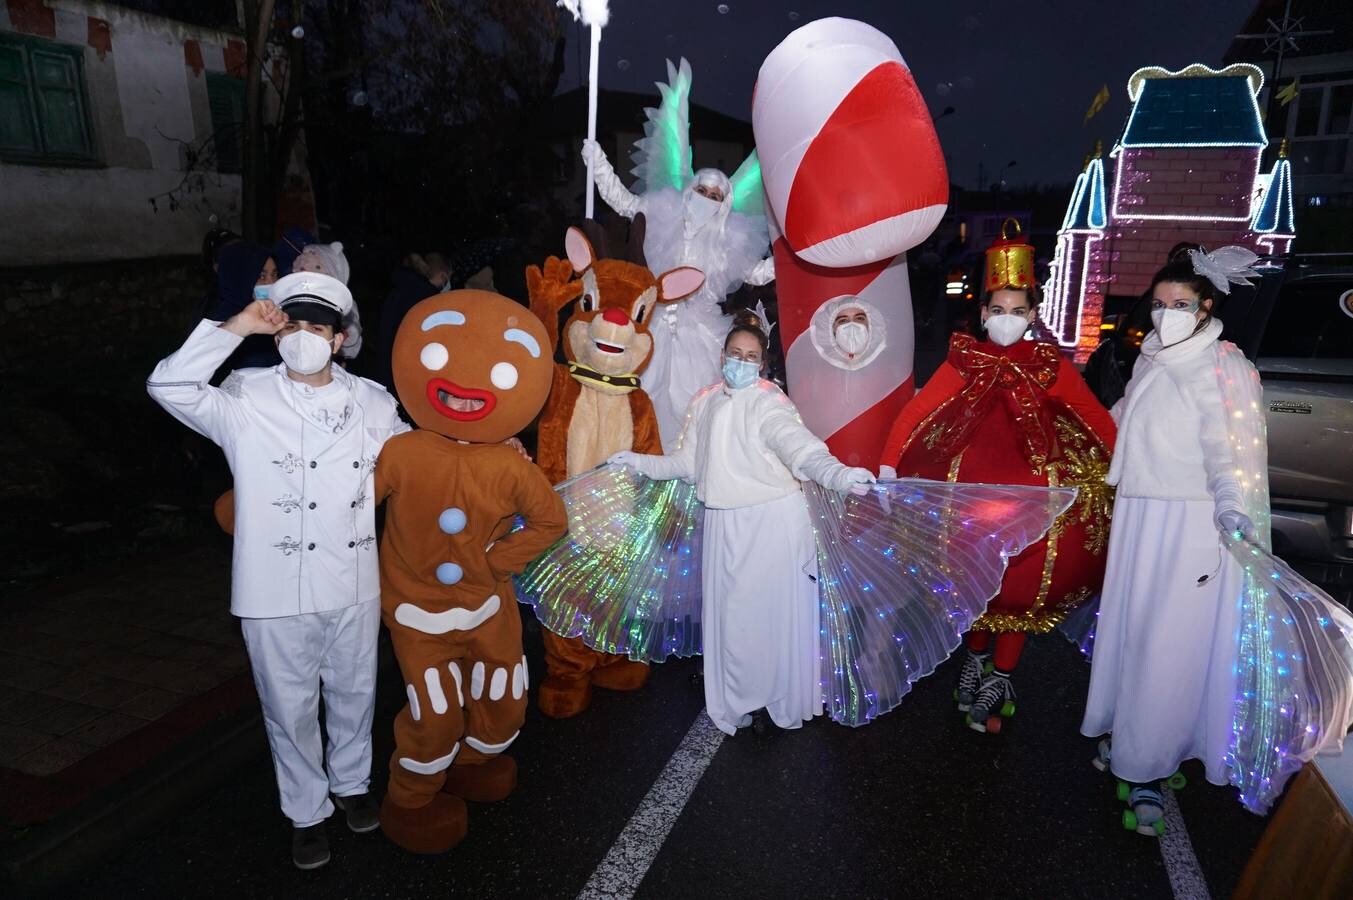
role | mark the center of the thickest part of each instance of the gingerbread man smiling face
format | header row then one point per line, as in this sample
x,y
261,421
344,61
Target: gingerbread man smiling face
x,y
472,365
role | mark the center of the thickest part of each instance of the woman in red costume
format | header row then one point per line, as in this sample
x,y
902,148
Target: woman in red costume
x,y
1013,411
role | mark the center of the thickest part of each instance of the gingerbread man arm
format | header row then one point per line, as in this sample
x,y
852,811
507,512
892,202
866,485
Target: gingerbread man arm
x,y
546,521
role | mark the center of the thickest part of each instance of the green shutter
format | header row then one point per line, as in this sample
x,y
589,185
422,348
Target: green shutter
x,y
18,131
56,81
43,110
226,96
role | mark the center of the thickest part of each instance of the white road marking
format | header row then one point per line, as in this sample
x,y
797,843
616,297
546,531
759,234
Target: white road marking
x,y
1181,863
619,874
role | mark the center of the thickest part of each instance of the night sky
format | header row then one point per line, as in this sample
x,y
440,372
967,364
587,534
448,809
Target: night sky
x,y
1019,75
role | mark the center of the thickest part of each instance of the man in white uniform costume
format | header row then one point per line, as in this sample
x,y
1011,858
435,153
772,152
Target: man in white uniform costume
x,y
301,439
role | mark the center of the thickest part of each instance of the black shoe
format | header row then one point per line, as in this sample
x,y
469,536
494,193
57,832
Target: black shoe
x,y
363,812
761,723
310,847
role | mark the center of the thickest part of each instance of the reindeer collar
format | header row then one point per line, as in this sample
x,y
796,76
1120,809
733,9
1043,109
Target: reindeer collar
x,y
609,384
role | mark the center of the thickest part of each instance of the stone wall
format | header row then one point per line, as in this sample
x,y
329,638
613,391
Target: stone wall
x,y
111,313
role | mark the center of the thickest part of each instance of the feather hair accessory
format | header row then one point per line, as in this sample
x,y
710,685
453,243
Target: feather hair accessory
x,y
589,12
1224,266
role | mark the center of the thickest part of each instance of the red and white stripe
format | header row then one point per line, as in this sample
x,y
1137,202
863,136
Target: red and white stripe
x,y
854,177
850,410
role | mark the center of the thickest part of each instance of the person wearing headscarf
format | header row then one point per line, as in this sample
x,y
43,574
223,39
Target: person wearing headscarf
x,y
244,273
329,260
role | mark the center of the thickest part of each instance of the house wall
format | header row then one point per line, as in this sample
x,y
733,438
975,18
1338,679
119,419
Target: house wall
x,y
1205,192
147,95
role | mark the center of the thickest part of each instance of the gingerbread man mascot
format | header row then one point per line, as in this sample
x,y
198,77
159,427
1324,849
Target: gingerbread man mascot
x,y
596,408
471,368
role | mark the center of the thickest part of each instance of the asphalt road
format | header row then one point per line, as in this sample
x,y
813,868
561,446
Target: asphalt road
x,y
913,805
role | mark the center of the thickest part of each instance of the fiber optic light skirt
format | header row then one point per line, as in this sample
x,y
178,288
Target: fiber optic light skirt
x,y
903,572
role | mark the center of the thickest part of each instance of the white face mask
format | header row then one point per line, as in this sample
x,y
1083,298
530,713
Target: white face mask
x,y
699,210
1173,325
305,352
852,337
1006,328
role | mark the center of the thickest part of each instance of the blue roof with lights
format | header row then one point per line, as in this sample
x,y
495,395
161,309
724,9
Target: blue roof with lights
x,y
1196,111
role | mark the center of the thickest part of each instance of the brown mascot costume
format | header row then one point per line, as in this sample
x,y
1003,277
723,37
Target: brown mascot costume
x,y
471,368
596,408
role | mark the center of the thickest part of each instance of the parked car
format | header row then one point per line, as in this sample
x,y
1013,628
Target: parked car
x,y
1305,359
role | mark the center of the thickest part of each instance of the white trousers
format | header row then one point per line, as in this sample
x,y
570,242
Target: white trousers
x,y
294,659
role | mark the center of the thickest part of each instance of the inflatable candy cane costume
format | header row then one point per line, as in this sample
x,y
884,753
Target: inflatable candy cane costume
x,y
703,219
854,177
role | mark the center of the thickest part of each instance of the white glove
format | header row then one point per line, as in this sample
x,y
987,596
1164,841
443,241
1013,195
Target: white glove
x,y
592,152
1233,520
762,273
627,459
887,472
851,481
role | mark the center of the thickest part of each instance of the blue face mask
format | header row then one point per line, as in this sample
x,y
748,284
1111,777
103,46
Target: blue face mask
x,y
738,373
261,291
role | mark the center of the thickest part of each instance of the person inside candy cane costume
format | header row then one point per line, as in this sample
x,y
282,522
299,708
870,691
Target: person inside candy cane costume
x,y
471,368
702,219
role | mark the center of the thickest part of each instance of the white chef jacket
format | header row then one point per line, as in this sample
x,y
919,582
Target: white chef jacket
x,y
303,461
744,447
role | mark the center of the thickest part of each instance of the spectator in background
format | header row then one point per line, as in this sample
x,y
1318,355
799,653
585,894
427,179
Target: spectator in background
x,y
289,246
244,273
328,259
420,277
212,243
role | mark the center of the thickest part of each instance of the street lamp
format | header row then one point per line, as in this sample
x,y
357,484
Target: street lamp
x,y
1000,177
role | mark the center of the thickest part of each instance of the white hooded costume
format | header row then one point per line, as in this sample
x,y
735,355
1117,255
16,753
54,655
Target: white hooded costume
x,y
727,240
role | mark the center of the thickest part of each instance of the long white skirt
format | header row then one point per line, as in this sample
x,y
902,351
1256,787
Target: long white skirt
x,y
1163,673
760,614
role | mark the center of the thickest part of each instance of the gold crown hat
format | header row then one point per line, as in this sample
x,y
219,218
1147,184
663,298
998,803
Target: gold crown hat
x,y
1010,261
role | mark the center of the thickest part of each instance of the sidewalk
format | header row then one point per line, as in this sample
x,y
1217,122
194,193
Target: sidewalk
x,y
103,680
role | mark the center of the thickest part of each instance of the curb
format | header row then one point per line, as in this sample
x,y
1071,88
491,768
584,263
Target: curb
x,y
58,851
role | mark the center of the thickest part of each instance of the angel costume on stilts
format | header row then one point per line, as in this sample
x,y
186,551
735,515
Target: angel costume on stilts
x,y
741,546
693,218
1227,657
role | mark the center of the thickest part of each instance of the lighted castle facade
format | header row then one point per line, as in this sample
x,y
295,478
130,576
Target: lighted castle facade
x,y
1186,168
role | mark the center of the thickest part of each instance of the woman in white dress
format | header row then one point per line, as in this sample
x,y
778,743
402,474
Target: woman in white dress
x,y
1163,678
746,450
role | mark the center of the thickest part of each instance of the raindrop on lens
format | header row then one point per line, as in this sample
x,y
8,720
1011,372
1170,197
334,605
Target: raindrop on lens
x,y
972,23
622,64
943,88
722,8
793,16
298,32
359,98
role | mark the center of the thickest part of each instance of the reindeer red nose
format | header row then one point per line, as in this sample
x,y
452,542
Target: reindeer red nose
x,y
616,316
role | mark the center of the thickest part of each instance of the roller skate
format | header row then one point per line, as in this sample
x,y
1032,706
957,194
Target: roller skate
x,y
995,700
1146,807
1102,755
975,666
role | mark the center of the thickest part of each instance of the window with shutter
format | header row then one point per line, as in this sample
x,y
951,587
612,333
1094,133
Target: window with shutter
x,y
44,106
226,96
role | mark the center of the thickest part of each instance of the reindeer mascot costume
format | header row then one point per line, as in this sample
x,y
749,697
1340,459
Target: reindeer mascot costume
x,y
471,368
596,408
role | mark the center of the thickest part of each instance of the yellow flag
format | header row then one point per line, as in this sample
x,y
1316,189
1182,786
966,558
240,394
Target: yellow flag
x,y
1101,100
1289,93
